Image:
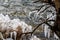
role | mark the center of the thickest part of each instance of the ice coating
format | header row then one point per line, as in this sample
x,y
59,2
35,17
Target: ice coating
x,y
13,25
15,8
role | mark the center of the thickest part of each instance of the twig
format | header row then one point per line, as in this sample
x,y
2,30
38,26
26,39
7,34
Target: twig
x,y
37,27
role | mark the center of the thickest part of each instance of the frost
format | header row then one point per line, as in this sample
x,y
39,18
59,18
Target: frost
x,y
12,25
16,13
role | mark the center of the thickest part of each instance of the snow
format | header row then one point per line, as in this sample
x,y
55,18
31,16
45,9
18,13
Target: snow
x,y
8,24
11,6
25,27
34,38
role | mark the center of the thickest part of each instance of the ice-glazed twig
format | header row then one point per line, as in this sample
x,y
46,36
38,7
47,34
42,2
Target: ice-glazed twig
x,y
38,26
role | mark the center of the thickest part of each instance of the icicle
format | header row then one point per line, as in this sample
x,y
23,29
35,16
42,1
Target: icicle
x,y
1,36
15,35
55,36
48,33
11,34
45,30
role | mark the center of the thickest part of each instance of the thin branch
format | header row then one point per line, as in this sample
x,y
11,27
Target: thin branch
x,y
41,24
37,27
